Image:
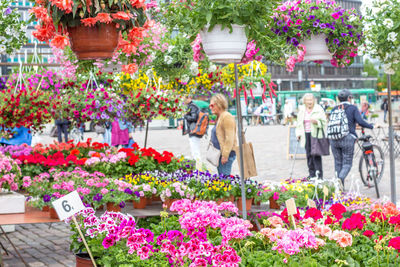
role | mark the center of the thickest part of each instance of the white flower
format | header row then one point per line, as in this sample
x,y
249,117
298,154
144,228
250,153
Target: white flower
x,y
387,68
185,78
212,68
170,48
194,68
2,48
352,18
388,23
392,36
168,59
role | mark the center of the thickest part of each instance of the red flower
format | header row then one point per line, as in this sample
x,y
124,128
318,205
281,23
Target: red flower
x,y
130,68
41,13
138,3
44,32
60,41
395,243
133,159
395,220
313,213
355,221
377,215
121,15
89,22
337,210
104,18
65,5
285,217
368,233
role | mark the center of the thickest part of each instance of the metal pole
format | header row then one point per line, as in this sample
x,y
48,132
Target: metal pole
x,y
147,131
391,144
240,134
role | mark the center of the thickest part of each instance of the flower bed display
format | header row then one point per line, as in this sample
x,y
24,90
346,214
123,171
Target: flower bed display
x,y
207,234
93,157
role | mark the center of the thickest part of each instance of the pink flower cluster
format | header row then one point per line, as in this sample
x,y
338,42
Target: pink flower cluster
x,y
196,46
251,53
9,173
292,60
206,214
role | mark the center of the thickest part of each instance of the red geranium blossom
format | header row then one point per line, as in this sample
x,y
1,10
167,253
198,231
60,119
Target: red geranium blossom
x,y
285,217
368,233
313,213
377,215
337,210
395,243
355,221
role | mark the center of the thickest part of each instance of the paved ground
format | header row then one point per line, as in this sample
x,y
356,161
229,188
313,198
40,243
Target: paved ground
x,y
41,246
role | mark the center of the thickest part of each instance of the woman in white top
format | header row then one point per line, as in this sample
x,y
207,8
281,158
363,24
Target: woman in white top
x,y
287,112
310,118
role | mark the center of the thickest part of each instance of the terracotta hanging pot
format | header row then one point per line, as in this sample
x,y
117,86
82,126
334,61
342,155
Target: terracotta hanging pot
x,y
97,42
273,204
141,204
149,201
168,202
83,260
46,209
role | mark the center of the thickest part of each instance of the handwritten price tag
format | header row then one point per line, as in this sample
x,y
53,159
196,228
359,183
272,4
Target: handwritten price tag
x,y
68,205
326,191
311,203
291,206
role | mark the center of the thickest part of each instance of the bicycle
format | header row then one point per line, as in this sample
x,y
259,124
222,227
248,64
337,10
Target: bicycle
x,y
372,162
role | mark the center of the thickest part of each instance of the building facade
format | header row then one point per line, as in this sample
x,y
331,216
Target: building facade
x,y
27,52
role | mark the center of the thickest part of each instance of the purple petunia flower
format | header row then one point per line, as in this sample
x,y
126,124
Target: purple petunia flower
x,y
279,23
285,28
8,11
336,41
315,24
46,198
343,34
137,193
294,41
322,26
128,191
97,197
122,204
311,17
308,31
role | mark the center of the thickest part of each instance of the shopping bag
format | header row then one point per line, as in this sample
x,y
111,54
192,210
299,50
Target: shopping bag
x,y
213,154
319,146
249,162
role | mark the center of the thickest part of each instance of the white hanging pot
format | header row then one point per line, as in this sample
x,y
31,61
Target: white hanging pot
x,y
316,48
221,46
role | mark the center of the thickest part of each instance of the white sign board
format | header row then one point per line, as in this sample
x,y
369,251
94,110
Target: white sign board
x,y
68,205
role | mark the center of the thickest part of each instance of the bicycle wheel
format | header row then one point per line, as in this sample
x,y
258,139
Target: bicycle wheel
x,y
380,166
373,174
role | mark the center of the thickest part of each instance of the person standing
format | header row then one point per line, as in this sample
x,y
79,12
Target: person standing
x,y
223,135
278,112
311,122
191,118
287,112
62,128
385,108
364,110
343,136
121,133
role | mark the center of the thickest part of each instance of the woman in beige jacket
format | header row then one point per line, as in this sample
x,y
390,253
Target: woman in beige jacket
x,y
223,135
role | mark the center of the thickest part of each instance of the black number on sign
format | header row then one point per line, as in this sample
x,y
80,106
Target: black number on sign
x,y
66,206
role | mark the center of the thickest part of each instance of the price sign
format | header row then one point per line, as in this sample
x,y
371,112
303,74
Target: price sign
x,y
311,203
68,205
291,206
326,191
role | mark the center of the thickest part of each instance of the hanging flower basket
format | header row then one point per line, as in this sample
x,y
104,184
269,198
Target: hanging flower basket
x,y
97,42
223,46
316,48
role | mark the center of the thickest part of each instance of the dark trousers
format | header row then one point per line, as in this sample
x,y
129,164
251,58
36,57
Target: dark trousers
x,y
343,151
314,162
62,128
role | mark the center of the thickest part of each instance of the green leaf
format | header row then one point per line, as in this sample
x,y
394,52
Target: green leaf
x,y
208,16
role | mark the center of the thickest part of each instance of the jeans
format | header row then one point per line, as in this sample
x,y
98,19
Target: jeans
x,y
314,163
107,136
384,115
343,151
62,128
227,167
194,142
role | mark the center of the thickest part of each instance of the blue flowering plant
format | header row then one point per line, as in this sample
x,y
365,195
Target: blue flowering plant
x,y
297,21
